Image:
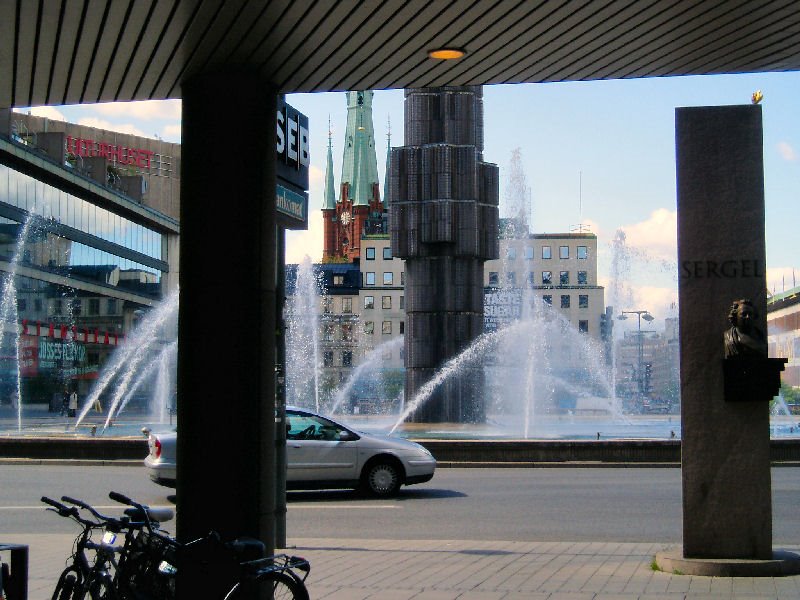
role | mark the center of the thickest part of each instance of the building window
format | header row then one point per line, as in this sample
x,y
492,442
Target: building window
x,y
402,277
57,307
37,305
369,327
94,306
564,300
370,253
402,302
22,304
387,328
338,280
327,333
347,305
528,253
347,332
583,326
548,299
347,358
369,302
111,307
583,254
511,278
402,327
563,278
563,252
327,358
583,278
369,278
583,301
387,253
327,304
547,278
547,252
386,302
511,253
531,281
494,278
76,307
388,278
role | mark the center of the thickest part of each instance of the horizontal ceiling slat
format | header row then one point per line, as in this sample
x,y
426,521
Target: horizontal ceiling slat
x,y
28,15
376,16
103,53
317,53
528,40
88,26
127,48
48,31
265,54
736,45
63,46
756,55
145,53
595,34
314,38
692,39
157,82
390,39
255,18
408,68
197,21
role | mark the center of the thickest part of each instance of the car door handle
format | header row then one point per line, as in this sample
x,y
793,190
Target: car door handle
x,y
296,446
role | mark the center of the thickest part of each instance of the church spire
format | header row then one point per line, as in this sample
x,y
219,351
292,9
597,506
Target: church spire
x,y
360,163
329,201
386,196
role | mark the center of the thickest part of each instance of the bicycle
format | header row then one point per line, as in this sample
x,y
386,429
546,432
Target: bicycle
x,y
84,576
147,568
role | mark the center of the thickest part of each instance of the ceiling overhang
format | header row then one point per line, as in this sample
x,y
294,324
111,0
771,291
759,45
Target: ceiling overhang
x,y
86,51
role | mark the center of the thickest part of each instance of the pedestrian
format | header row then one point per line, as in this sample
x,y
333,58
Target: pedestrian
x,y
73,403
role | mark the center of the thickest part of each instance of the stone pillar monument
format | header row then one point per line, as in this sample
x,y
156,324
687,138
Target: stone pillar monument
x,y
443,220
727,497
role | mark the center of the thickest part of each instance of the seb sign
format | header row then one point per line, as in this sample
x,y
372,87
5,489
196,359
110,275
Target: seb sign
x,y
293,162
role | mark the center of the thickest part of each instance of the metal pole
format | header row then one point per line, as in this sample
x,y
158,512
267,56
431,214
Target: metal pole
x,y
280,391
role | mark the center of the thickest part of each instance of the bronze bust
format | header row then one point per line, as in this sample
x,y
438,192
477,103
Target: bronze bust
x,y
743,338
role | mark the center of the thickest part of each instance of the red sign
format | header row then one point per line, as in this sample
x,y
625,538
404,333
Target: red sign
x,y
120,154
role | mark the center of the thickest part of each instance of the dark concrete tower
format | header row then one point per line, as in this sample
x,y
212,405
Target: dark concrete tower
x,y
444,221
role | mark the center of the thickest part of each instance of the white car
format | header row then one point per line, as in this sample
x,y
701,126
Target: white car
x,y
324,454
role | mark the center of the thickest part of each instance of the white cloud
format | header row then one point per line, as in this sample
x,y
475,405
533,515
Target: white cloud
x,y
44,111
118,127
657,237
147,110
780,279
787,152
309,242
172,133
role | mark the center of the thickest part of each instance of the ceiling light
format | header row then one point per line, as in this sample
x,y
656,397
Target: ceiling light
x,y
446,53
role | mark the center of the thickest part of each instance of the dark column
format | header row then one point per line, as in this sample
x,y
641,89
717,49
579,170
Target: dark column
x,y
226,362
727,501
444,224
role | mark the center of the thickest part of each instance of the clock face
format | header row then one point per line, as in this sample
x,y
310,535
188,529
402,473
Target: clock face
x,y
345,218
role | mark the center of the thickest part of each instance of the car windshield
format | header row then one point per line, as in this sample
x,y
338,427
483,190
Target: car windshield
x,y
302,426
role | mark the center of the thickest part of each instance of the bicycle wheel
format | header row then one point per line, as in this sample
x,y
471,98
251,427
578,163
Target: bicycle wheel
x,y
65,586
101,588
282,586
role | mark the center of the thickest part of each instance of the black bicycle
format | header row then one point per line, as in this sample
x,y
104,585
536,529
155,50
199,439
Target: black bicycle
x,y
149,561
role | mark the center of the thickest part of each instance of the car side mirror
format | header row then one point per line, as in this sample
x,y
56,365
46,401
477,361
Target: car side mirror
x,y
347,436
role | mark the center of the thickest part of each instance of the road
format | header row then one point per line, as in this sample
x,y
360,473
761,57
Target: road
x,y
555,504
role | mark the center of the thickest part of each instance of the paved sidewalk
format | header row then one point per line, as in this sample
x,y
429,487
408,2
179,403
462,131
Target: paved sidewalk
x,y
357,569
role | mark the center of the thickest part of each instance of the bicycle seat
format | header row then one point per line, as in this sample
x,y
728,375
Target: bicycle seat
x,y
159,515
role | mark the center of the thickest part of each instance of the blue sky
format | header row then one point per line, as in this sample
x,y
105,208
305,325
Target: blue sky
x,y
601,153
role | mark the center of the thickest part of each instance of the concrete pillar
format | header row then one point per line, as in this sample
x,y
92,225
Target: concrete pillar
x,y
226,362
727,501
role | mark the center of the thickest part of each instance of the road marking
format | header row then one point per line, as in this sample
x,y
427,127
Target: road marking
x,y
342,506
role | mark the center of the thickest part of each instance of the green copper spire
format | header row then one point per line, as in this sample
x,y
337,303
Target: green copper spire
x,y
386,196
360,163
329,201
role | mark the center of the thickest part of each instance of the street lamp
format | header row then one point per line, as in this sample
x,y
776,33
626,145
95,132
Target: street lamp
x,y
641,314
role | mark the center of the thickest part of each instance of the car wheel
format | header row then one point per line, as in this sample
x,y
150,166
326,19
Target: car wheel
x,y
382,478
